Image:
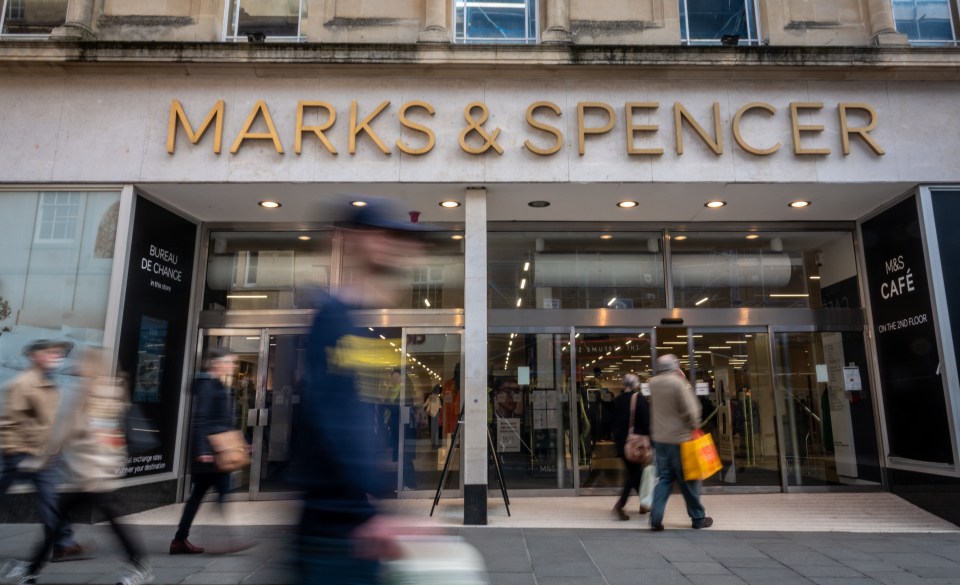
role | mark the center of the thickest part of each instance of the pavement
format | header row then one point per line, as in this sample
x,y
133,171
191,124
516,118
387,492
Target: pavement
x,y
757,539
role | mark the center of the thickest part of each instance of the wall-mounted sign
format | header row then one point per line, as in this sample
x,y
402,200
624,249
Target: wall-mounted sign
x,y
905,336
409,129
851,379
154,328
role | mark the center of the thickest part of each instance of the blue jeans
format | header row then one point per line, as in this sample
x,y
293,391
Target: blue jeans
x,y
670,468
45,483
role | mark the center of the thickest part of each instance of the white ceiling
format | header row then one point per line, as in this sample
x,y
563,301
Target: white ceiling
x,y
313,203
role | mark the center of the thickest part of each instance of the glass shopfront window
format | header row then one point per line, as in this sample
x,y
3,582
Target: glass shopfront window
x,y
925,22
570,270
32,17
714,22
764,269
503,21
530,409
267,270
55,270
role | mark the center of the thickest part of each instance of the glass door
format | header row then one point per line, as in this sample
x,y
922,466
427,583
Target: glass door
x,y
265,390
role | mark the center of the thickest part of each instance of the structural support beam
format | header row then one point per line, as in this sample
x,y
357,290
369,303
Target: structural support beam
x,y
883,29
79,22
557,31
474,431
434,23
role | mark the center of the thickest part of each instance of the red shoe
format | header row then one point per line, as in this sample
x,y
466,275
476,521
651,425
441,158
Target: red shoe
x,y
183,547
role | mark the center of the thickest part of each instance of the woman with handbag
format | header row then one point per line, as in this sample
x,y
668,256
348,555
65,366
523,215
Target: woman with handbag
x,y
212,415
632,420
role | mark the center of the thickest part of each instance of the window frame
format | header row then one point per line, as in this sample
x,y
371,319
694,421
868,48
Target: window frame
x,y
80,210
953,9
26,36
753,27
231,14
465,39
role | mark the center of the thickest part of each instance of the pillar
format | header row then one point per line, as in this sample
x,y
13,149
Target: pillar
x,y
474,433
557,31
434,22
79,22
883,30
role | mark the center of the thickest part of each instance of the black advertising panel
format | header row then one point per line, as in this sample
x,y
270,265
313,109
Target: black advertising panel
x,y
946,210
154,332
905,336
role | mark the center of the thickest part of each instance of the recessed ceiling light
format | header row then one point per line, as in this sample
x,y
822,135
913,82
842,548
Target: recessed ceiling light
x,y
268,204
539,204
456,237
715,204
303,238
798,204
449,204
627,204
358,203
679,238
606,236
753,236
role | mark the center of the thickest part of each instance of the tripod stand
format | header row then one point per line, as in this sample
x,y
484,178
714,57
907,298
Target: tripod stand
x,y
446,466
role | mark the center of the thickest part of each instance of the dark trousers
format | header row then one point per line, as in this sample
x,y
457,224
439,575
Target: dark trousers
x,y
333,561
631,481
45,483
202,482
106,503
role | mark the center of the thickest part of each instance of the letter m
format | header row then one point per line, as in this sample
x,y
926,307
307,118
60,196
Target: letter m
x,y
177,114
892,265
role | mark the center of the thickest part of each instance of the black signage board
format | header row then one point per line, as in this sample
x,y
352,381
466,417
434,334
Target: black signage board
x,y
153,332
905,336
946,210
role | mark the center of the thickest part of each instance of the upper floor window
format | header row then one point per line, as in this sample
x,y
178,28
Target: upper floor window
x,y
925,22
261,20
32,17
718,22
496,21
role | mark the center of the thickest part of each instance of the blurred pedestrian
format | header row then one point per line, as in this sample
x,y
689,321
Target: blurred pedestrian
x,y
212,414
630,407
29,412
343,535
674,415
94,447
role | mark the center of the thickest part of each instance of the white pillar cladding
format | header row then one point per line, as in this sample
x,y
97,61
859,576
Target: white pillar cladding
x,y
557,30
434,22
79,22
474,431
883,28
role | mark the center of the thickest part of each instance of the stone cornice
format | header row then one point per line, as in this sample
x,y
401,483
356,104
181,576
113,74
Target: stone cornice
x,y
275,59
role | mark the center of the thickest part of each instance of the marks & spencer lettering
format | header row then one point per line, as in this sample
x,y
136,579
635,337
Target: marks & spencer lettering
x,y
540,127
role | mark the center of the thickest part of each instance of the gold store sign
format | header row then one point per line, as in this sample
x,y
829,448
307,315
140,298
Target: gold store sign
x,y
544,138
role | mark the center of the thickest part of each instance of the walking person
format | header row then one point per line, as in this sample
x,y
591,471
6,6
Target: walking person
x,y
630,408
674,415
94,447
32,400
343,533
213,413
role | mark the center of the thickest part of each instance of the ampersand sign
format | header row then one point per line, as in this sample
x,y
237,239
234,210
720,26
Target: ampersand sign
x,y
476,125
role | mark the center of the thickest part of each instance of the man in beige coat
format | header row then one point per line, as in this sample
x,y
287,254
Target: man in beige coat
x,y
30,408
674,415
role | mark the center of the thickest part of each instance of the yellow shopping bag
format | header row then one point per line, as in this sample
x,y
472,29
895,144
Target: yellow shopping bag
x,y
699,456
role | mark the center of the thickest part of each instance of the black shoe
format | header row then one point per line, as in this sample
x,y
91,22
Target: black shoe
x,y
73,552
656,527
705,522
619,513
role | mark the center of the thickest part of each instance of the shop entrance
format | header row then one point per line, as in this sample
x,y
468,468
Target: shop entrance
x,y
414,384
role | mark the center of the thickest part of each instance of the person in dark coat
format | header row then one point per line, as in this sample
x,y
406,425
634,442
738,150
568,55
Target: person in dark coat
x,y
641,426
213,413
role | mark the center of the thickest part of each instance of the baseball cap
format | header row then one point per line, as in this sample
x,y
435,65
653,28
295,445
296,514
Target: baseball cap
x,y
381,214
39,344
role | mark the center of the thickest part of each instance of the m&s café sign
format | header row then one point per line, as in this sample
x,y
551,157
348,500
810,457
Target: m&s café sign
x,y
651,127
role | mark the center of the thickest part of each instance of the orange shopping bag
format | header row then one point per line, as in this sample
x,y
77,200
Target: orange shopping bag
x,y
699,456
